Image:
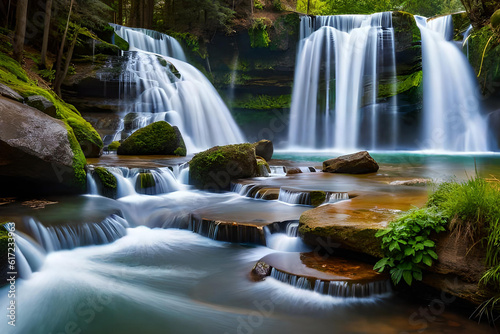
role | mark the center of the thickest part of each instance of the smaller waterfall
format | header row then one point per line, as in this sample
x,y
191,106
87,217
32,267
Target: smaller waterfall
x,y
285,242
278,170
452,110
29,257
294,196
57,237
91,185
248,190
342,289
227,231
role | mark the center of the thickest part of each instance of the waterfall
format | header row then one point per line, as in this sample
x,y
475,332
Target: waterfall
x,y
340,62
285,242
227,231
291,196
342,289
29,257
68,236
91,185
158,80
151,41
452,118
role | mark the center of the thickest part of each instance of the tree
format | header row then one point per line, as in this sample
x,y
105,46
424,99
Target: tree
x,y
46,30
59,72
20,31
480,11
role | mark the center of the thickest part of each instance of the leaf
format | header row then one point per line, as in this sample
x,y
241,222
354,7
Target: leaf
x,y
432,253
409,251
382,232
394,245
417,258
407,276
419,238
429,243
381,264
427,260
417,275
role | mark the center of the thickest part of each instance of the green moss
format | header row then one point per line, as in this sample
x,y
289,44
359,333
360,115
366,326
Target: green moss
x,y
278,6
180,151
259,37
79,160
485,41
217,162
495,19
258,5
13,75
263,102
114,146
404,84
157,138
121,43
317,197
404,23
107,179
147,180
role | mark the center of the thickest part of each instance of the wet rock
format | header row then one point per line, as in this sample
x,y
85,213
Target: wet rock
x,y
264,149
9,93
260,271
263,166
293,170
158,138
215,168
412,182
357,163
36,154
41,103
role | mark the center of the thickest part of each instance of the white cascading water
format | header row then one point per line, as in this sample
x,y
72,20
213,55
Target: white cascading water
x,y
162,82
337,72
452,117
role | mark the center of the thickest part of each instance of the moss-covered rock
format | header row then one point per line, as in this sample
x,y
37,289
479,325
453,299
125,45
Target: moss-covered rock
x,y
404,84
13,75
317,197
159,138
114,145
39,154
484,52
215,168
259,36
106,181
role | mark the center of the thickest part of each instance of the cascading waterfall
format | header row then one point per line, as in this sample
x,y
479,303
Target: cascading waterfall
x,y
341,61
452,117
160,81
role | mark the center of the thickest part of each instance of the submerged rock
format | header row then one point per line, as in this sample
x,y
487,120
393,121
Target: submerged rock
x,y
41,103
357,163
38,154
215,168
157,138
264,149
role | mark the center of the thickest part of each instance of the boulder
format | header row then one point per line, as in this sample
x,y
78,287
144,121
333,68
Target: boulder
x,y
38,154
215,168
357,163
293,170
264,149
41,103
159,138
9,93
87,137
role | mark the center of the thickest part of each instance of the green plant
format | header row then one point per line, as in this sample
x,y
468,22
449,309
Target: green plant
x,y
259,37
258,5
47,74
278,6
407,244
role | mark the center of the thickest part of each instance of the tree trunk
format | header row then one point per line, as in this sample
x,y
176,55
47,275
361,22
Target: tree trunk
x,y
480,11
308,6
46,30
251,6
120,12
20,31
69,55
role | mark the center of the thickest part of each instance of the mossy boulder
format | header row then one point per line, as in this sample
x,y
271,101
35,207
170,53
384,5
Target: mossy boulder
x,y
263,166
113,146
159,138
215,168
357,163
38,154
9,93
14,76
106,181
41,103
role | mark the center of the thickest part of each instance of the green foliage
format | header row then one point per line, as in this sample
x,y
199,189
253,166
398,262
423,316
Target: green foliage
x,y
471,206
121,43
114,145
263,102
258,5
47,74
157,138
278,6
407,244
107,179
190,40
259,37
